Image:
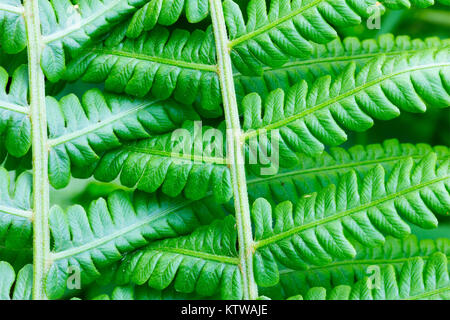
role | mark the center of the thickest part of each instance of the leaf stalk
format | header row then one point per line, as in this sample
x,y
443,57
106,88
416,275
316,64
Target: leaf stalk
x,y
41,233
234,151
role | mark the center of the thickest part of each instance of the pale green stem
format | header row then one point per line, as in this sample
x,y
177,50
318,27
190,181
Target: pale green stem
x,y
234,151
41,234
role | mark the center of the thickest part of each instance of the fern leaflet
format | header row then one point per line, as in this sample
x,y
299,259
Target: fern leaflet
x,y
307,117
393,252
22,283
110,228
313,231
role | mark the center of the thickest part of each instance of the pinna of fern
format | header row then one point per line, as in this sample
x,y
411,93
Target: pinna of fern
x,y
417,280
429,271
136,67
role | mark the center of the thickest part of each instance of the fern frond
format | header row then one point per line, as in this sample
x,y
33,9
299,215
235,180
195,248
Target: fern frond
x,y
168,139
191,159
394,252
110,228
313,231
204,262
269,37
166,13
178,64
307,117
69,27
79,132
417,280
331,59
22,283
315,173
14,120
13,38
188,72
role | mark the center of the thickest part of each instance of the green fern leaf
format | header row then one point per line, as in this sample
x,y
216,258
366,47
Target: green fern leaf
x,y
331,59
204,262
13,38
166,13
90,241
178,64
186,160
14,120
313,231
332,224
317,172
22,284
69,27
79,132
188,73
271,37
394,252
417,280
306,117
